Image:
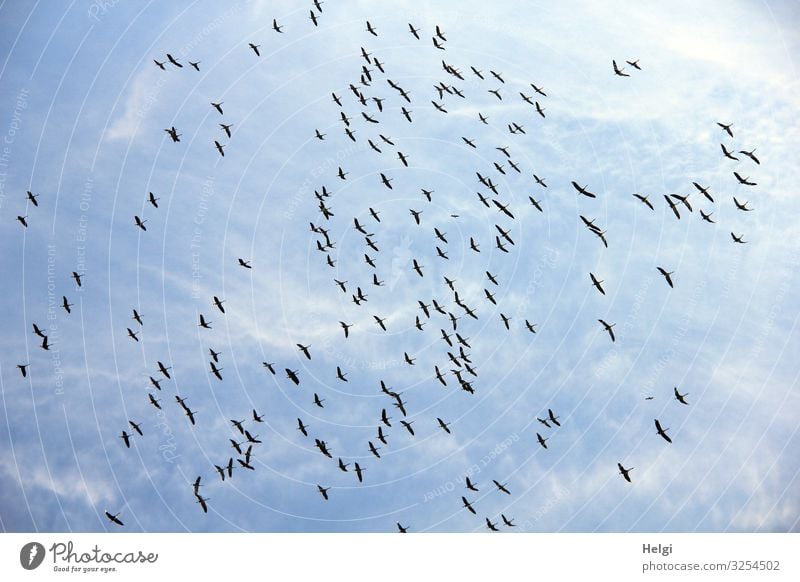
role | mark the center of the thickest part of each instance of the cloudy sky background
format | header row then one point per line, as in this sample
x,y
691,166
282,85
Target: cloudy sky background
x,y
83,110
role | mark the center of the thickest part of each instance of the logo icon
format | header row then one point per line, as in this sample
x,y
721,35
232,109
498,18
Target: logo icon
x,y
31,555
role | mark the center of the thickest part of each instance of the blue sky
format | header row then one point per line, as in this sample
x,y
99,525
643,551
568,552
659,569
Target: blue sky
x,y
83,111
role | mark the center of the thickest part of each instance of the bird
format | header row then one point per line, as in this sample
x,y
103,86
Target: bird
x,y
114,518
202,501
164,370
77,278
726,128
32,198
727,153
741,206
750,155
195,65
634,64
506,319
359,472
323,491
539,109
608,327
203,323
174,61
468,505
667,275
218,107
173,134
703,191
305,351
673,207
140,223
154,401
226,128
444,425
66,304
542,440
470,485
618,71
597,283
22,220
255,48
126,438
219,147
553,417
153,200
680,397
539,90
645,201
662,431
160,65
583,190
501,487
401,528
317,400
624,472
23,369
292,375
218,303
746,181
683,199
490,525
738,239
275,26
136,427
707,217
302,427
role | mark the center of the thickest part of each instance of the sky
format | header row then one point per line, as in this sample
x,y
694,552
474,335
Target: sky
x,y
83,109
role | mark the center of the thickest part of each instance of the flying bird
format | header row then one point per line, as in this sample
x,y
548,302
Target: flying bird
x,y
468,505
542,440
608,327
114,518
501,487
750,155
645,201
680,397
624,472
618,71
662,432
726,128
583,190
667,275
597,283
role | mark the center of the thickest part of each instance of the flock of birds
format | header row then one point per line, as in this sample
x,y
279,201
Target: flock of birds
x,y
364,126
